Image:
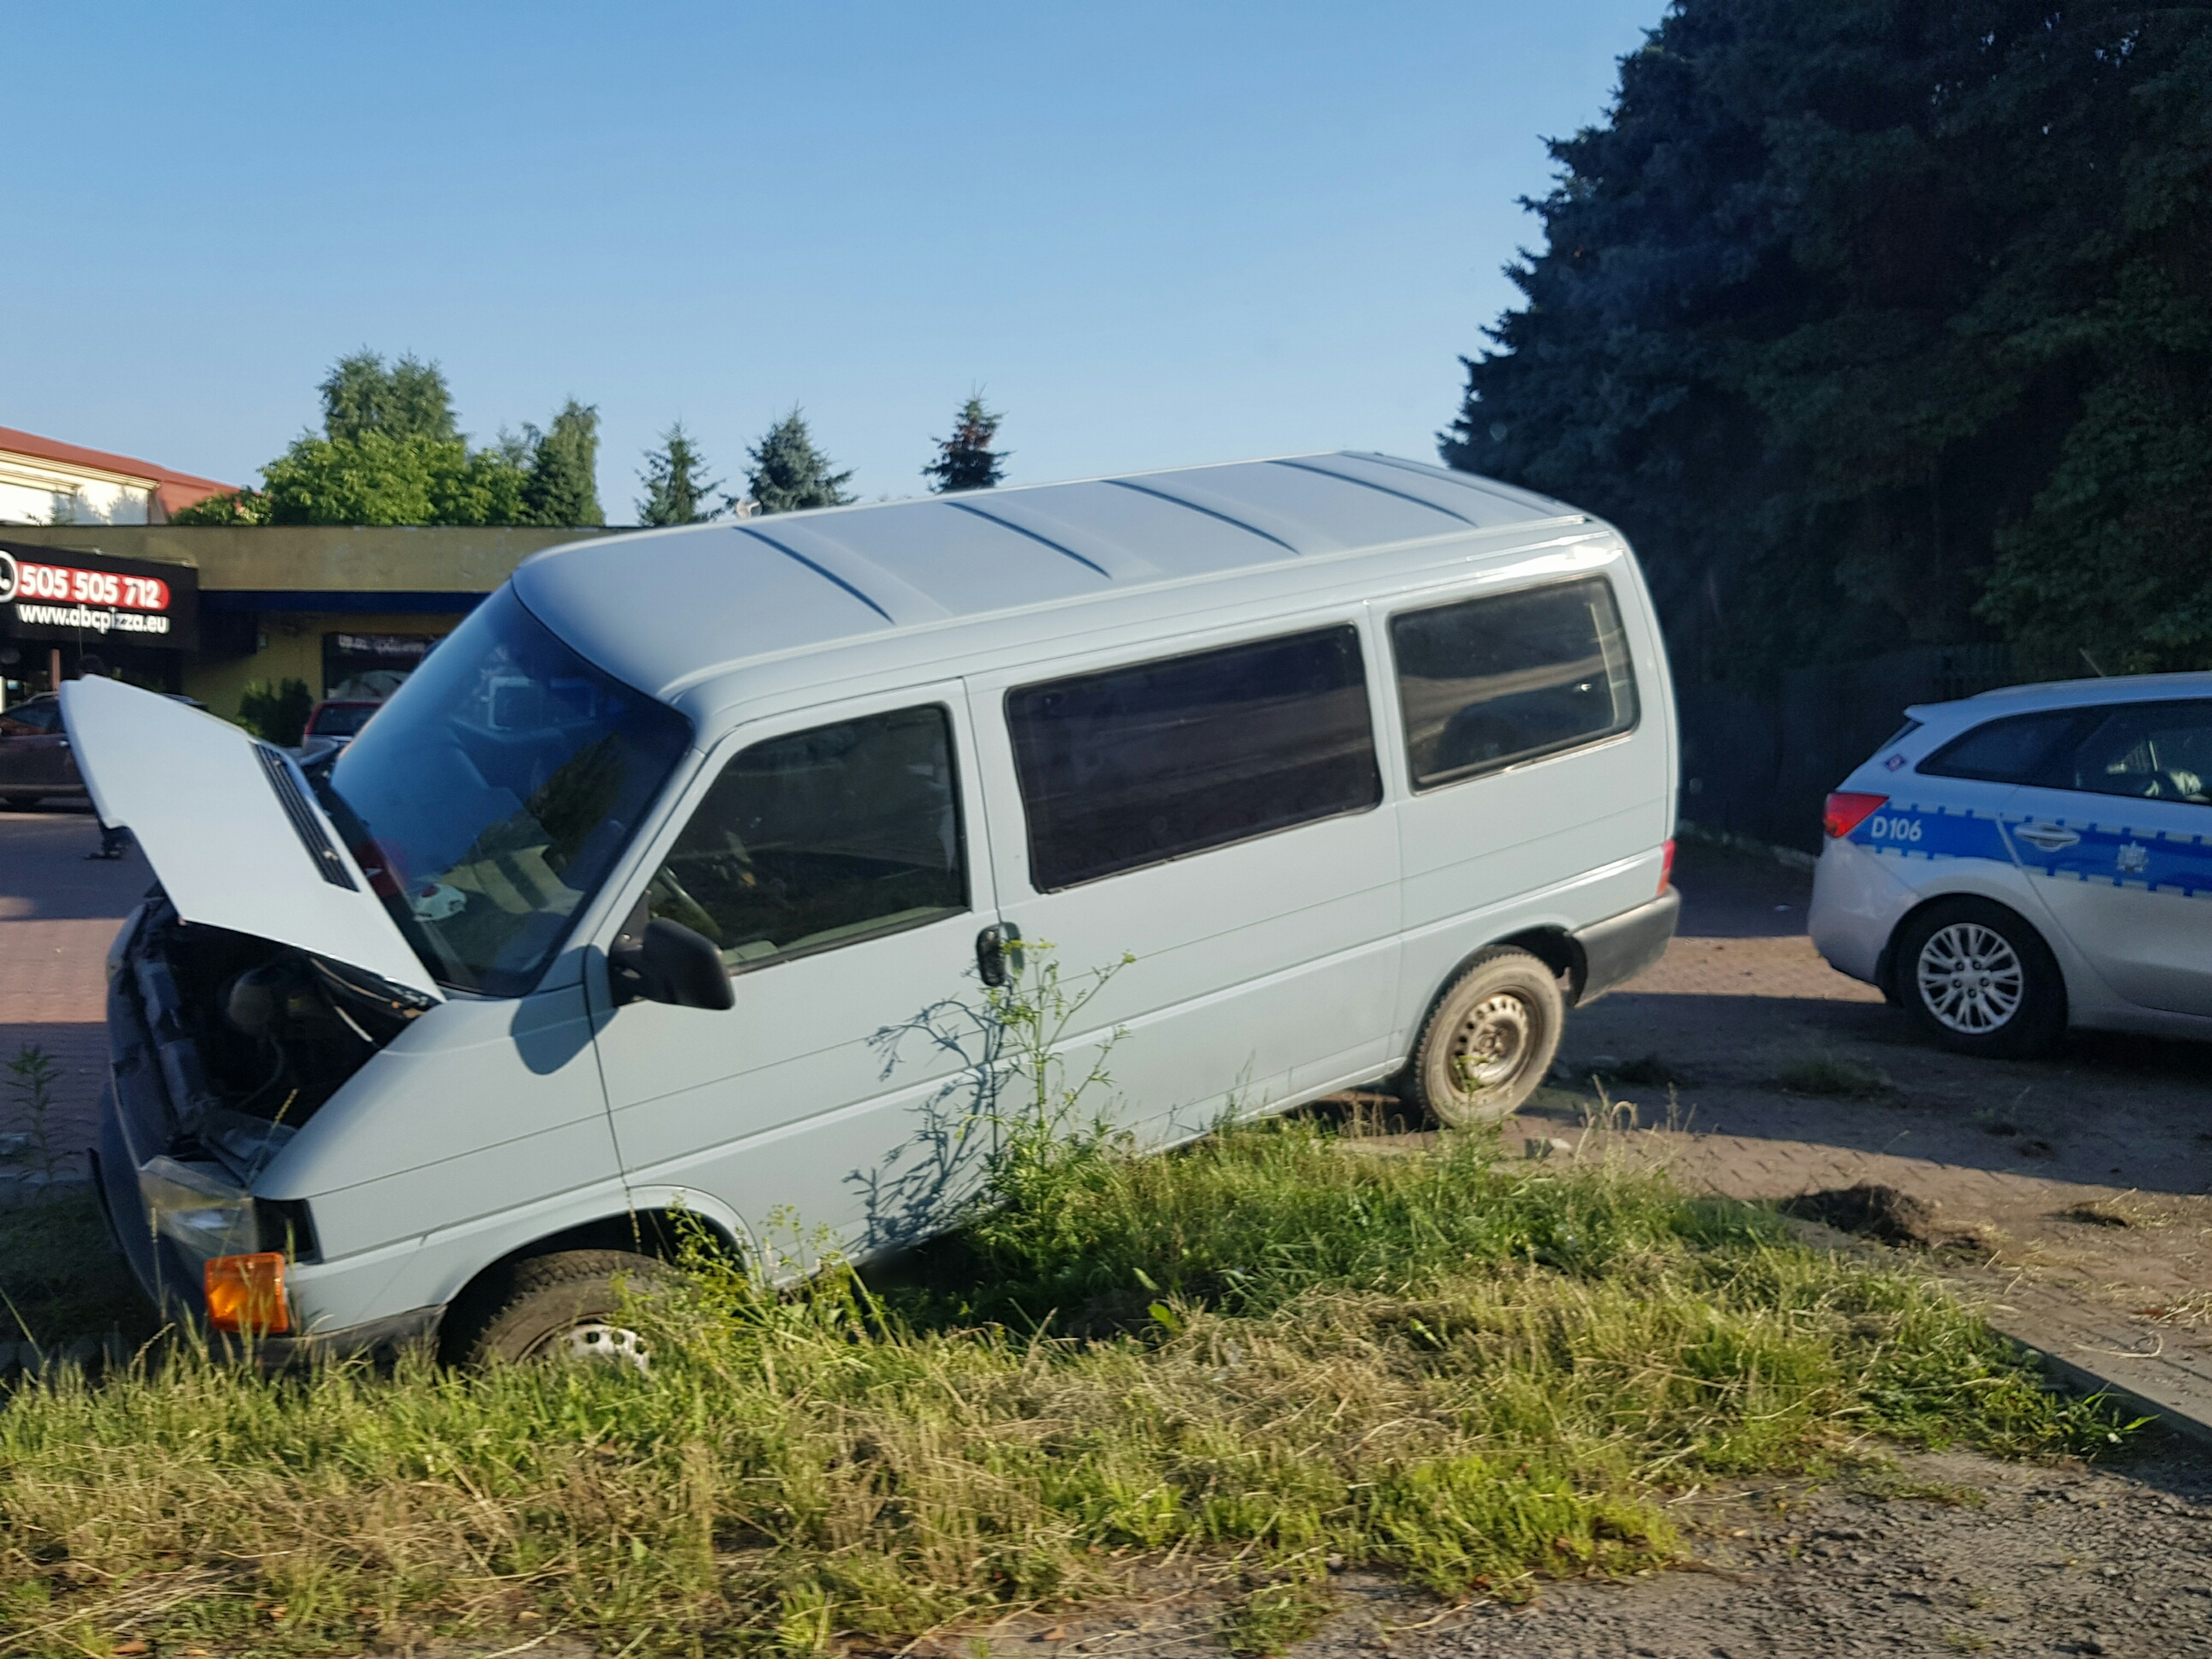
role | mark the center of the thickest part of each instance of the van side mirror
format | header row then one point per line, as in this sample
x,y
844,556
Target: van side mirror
x,y
669,962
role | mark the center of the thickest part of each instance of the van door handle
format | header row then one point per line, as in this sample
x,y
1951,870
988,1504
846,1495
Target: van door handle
x,y
997,949
2047,837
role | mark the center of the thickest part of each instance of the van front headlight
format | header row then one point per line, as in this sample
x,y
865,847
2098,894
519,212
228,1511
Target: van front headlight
x,y
202,1213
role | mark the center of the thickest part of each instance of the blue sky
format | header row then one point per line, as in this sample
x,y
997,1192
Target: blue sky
x,y
1154,233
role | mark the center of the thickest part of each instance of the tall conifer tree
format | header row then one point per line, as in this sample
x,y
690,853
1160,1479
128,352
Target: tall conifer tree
x,y
1876,323
562,487
966,461
789,474
677,487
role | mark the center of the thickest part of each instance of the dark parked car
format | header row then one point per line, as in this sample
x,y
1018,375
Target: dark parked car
x,y
34,753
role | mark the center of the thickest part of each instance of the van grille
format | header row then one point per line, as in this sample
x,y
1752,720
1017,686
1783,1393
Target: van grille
x,y
304,824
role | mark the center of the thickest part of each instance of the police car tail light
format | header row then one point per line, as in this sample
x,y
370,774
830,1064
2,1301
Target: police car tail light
x,y
1846,810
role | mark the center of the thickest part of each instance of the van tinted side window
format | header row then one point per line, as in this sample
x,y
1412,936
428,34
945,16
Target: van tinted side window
x,y
821,837
1137,765
1486,683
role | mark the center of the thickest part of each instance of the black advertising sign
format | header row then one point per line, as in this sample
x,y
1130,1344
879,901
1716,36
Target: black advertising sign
x,y
61,596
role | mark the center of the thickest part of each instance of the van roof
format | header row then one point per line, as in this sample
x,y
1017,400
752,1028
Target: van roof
x,y
663,608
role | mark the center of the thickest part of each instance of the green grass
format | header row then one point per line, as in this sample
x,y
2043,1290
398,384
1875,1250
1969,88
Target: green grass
x,y
61,1276
1839,1079
1470,1372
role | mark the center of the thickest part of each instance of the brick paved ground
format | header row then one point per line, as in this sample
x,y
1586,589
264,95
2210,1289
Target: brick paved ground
x,y
2088,1171
59,912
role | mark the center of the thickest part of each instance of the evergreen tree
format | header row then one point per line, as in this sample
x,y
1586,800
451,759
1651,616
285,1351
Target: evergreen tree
x,y
966,461
677,488
789,474
1876,321
409,399
563,486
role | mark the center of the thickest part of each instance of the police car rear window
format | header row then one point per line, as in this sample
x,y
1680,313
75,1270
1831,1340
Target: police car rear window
x,y
2020,749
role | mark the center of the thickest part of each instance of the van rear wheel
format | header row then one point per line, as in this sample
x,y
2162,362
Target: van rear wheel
x,y
1490,1040
569,1305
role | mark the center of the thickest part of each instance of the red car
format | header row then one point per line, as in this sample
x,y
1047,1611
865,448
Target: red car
x,y
335,724
34,753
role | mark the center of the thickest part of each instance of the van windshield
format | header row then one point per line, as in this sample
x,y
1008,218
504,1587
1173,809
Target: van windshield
x,y
489,797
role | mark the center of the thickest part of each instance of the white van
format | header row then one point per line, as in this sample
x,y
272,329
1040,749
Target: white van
x,y
669,880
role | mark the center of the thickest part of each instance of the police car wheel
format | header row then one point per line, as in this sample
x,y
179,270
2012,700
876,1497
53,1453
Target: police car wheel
x,y
1976,977
1489,1041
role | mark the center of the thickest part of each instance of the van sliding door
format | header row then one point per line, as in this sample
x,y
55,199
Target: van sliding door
x,y
1216,814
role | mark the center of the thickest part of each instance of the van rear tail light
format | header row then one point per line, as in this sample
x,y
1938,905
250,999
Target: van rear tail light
x,y
1846,811
1667,866
246,1294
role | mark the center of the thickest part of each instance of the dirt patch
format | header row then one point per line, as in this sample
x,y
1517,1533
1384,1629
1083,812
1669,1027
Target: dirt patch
x,y
1872,1211
1935,1553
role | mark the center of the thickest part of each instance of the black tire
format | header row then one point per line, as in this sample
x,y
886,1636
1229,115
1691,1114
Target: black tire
x,y
1977,978
568,1304
1489,1039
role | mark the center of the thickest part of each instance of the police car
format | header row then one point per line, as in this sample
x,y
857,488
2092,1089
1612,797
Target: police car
x,y
2031,859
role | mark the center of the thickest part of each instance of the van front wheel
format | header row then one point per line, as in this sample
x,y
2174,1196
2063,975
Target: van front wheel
x,y
569,1305
1490,1040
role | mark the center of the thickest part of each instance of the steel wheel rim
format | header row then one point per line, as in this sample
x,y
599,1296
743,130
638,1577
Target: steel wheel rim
x,y
1493,1043
599,1343
1971,978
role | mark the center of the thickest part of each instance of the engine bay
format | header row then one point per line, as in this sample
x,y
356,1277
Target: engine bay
x,y
250,1029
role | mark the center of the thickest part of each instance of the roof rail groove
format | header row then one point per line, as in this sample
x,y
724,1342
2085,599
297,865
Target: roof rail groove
x,y
1035,536
1190,505
1382,490
830,576
1290,530
896,597
1119,563
1480,485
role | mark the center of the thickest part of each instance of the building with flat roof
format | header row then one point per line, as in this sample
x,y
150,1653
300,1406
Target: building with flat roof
x,y
44,481
209,609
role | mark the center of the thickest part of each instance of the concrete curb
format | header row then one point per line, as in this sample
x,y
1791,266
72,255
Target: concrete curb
x,y
2085,1347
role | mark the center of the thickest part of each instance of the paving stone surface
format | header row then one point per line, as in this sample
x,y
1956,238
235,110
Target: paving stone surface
x,y
58,913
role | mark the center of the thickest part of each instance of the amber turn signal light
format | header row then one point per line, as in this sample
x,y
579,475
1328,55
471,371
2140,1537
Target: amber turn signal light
x,y
246,1294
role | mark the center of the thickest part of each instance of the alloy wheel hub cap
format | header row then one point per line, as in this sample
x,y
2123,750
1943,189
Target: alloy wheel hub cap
x,y
1971,978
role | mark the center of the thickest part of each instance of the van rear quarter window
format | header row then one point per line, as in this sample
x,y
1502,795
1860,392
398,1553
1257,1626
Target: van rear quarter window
x,y
1489,681
1159,760
821,837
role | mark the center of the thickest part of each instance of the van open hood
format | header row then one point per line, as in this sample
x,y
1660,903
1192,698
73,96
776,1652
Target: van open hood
x,y
232,830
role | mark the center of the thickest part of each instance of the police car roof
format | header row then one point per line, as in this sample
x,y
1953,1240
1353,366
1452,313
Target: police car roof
x,y
2066,694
